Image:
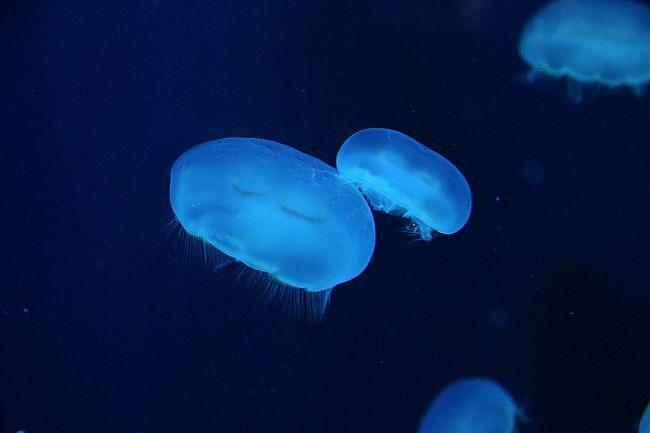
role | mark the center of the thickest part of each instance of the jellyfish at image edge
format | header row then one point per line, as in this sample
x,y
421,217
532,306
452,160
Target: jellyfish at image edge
x,y
280,212
644,425
402,177
590,42
472,405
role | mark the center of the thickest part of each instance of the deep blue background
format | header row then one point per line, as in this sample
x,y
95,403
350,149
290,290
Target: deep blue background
x,y
105,328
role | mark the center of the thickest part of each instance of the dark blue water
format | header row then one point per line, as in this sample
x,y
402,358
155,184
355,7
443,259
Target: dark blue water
x,y
106,328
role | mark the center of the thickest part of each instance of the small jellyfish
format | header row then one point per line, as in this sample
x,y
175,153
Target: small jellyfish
x,y
473,405
278,211
603,42
644,426
402,177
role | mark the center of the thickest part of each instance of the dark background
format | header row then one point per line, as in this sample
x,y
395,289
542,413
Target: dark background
x,y
106,328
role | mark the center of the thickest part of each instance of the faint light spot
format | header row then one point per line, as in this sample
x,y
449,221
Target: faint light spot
x,y
533,171
498,317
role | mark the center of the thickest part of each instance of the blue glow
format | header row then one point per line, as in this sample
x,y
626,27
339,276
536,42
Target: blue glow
x,y
474,405
590,41
402,177
644,426
275,209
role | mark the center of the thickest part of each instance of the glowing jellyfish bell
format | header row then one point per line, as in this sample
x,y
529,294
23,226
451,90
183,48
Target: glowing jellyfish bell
x,y
644,426
278,211
402,177
472,405
603,42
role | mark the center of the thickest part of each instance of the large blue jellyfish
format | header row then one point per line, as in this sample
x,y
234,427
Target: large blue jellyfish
x,y
644,426
605,42
278,211
474,405
400,176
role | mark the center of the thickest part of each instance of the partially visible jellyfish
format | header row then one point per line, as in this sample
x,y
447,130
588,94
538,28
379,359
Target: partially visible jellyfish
x,y
402,177
602,42
278,211
473,405
644,426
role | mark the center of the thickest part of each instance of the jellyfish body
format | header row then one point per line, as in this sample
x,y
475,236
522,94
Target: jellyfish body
x,y
275,209
644,425
402,177
604,42
473,405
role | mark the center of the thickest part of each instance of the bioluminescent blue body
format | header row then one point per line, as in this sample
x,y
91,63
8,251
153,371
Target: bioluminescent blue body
x,y
605,42
275,209
474,405
400,176
644,425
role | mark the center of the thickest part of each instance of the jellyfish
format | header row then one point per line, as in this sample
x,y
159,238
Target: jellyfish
x,y
402,177
644,426
473,405
278,211
590,42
